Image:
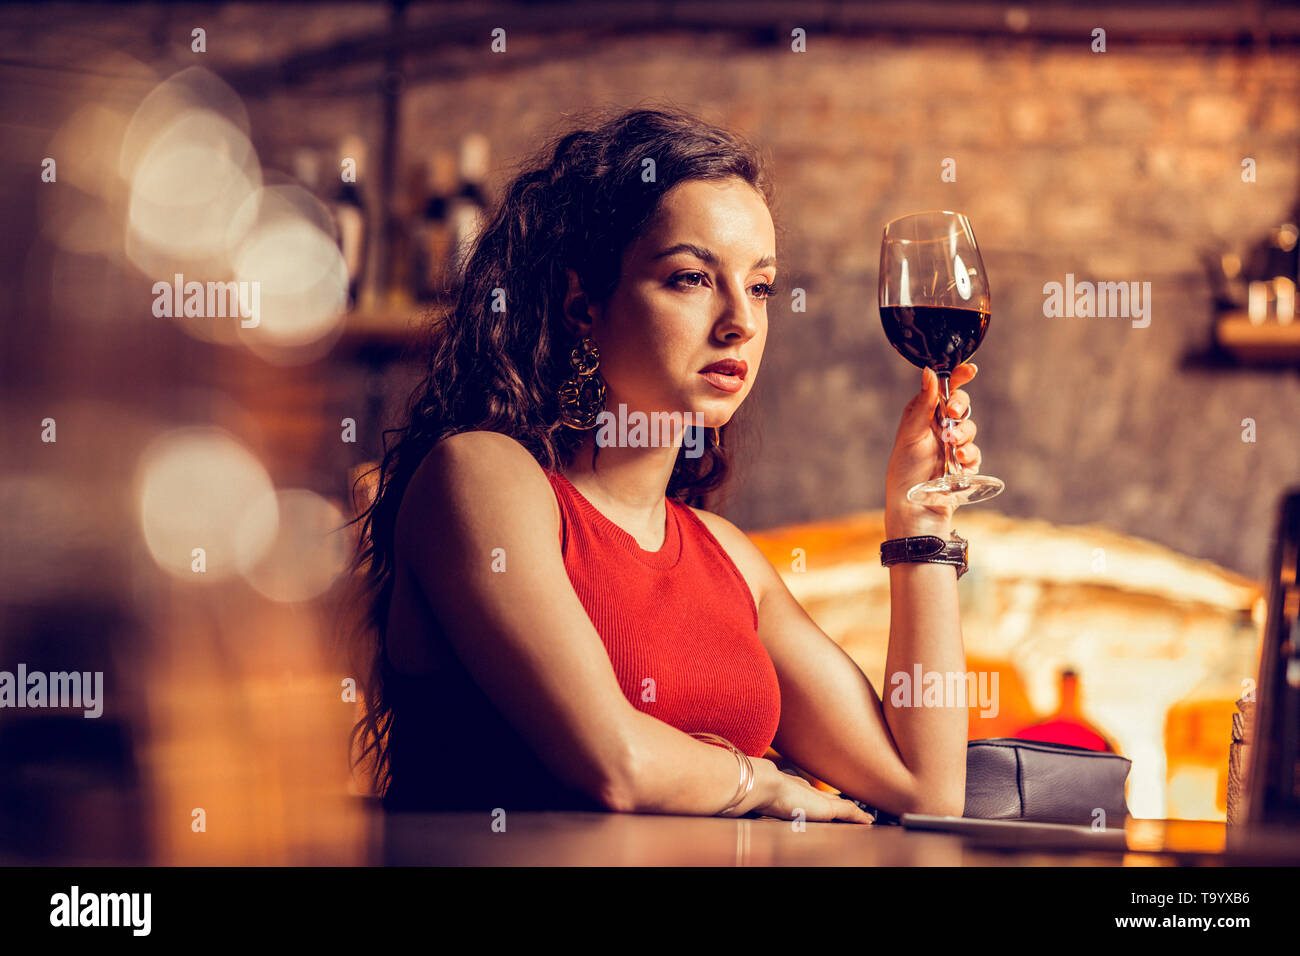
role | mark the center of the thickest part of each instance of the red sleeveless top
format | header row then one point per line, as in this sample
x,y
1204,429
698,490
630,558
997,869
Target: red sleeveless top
x,y
679,623
681,630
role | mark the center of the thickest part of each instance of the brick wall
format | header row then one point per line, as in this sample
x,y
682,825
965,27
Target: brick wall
x,y
1114,166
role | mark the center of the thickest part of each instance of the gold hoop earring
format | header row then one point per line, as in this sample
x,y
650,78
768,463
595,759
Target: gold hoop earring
x,y
582,396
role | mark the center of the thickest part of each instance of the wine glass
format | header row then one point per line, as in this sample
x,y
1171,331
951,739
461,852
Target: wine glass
x,y
935,306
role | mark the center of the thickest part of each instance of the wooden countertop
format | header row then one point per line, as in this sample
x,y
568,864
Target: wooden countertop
x,y
619,839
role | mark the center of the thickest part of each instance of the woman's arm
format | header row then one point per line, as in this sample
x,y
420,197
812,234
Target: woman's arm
x,y
833,723
527,641
924,618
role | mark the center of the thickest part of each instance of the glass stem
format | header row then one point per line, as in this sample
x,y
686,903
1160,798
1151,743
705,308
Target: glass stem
x,y
950,463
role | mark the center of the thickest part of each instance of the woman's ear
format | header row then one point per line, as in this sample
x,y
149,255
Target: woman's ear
x,y
578,309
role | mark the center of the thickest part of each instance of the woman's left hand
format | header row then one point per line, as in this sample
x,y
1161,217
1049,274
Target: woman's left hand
x,y
918,455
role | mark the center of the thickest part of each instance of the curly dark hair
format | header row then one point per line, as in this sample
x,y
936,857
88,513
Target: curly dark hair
x,y
578,203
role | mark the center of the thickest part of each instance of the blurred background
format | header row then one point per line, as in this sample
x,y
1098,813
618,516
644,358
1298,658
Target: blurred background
x,y
178,459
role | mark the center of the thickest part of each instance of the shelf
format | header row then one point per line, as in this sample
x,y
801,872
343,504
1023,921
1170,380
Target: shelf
x,y
1268,342
389,330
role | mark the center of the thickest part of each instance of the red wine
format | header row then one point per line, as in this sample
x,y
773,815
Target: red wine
x,y
936,337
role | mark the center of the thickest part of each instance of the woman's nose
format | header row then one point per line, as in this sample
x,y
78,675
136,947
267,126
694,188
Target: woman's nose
x,y
738,318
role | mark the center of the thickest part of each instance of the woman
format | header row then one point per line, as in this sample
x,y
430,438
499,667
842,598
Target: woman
x,y
551,620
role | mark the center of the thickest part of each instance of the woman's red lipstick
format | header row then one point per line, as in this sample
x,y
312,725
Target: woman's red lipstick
x,y
728,374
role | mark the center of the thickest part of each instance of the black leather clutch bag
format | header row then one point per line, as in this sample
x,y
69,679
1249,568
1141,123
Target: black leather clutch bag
x,y
1012,779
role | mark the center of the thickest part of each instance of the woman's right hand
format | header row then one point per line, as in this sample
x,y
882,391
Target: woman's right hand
x,y
783,795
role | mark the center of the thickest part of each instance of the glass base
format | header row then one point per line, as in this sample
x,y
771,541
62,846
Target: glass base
x,y
956,490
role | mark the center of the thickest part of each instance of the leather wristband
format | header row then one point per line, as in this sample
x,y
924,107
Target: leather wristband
x,y
926,549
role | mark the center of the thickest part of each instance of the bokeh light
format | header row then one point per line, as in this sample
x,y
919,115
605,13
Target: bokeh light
x,y
196,489
288,249
308,552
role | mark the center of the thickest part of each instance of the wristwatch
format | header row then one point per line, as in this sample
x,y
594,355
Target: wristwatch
x,y
928,549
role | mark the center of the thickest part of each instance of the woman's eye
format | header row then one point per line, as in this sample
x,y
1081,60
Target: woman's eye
x,y
691,280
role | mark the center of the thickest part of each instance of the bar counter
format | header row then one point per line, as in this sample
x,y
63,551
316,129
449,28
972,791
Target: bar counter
x,y
624,839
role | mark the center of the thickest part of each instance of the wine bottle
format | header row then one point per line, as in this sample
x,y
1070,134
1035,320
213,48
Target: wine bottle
x,y
1287,279
349,209
432,230
306,168
467,210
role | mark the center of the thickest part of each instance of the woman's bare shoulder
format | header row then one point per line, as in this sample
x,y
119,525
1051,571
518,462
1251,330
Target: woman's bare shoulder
x,y
481,445
753,565
722,529
476,474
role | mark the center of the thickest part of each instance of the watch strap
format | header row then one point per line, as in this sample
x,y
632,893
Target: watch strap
x,y
925,549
